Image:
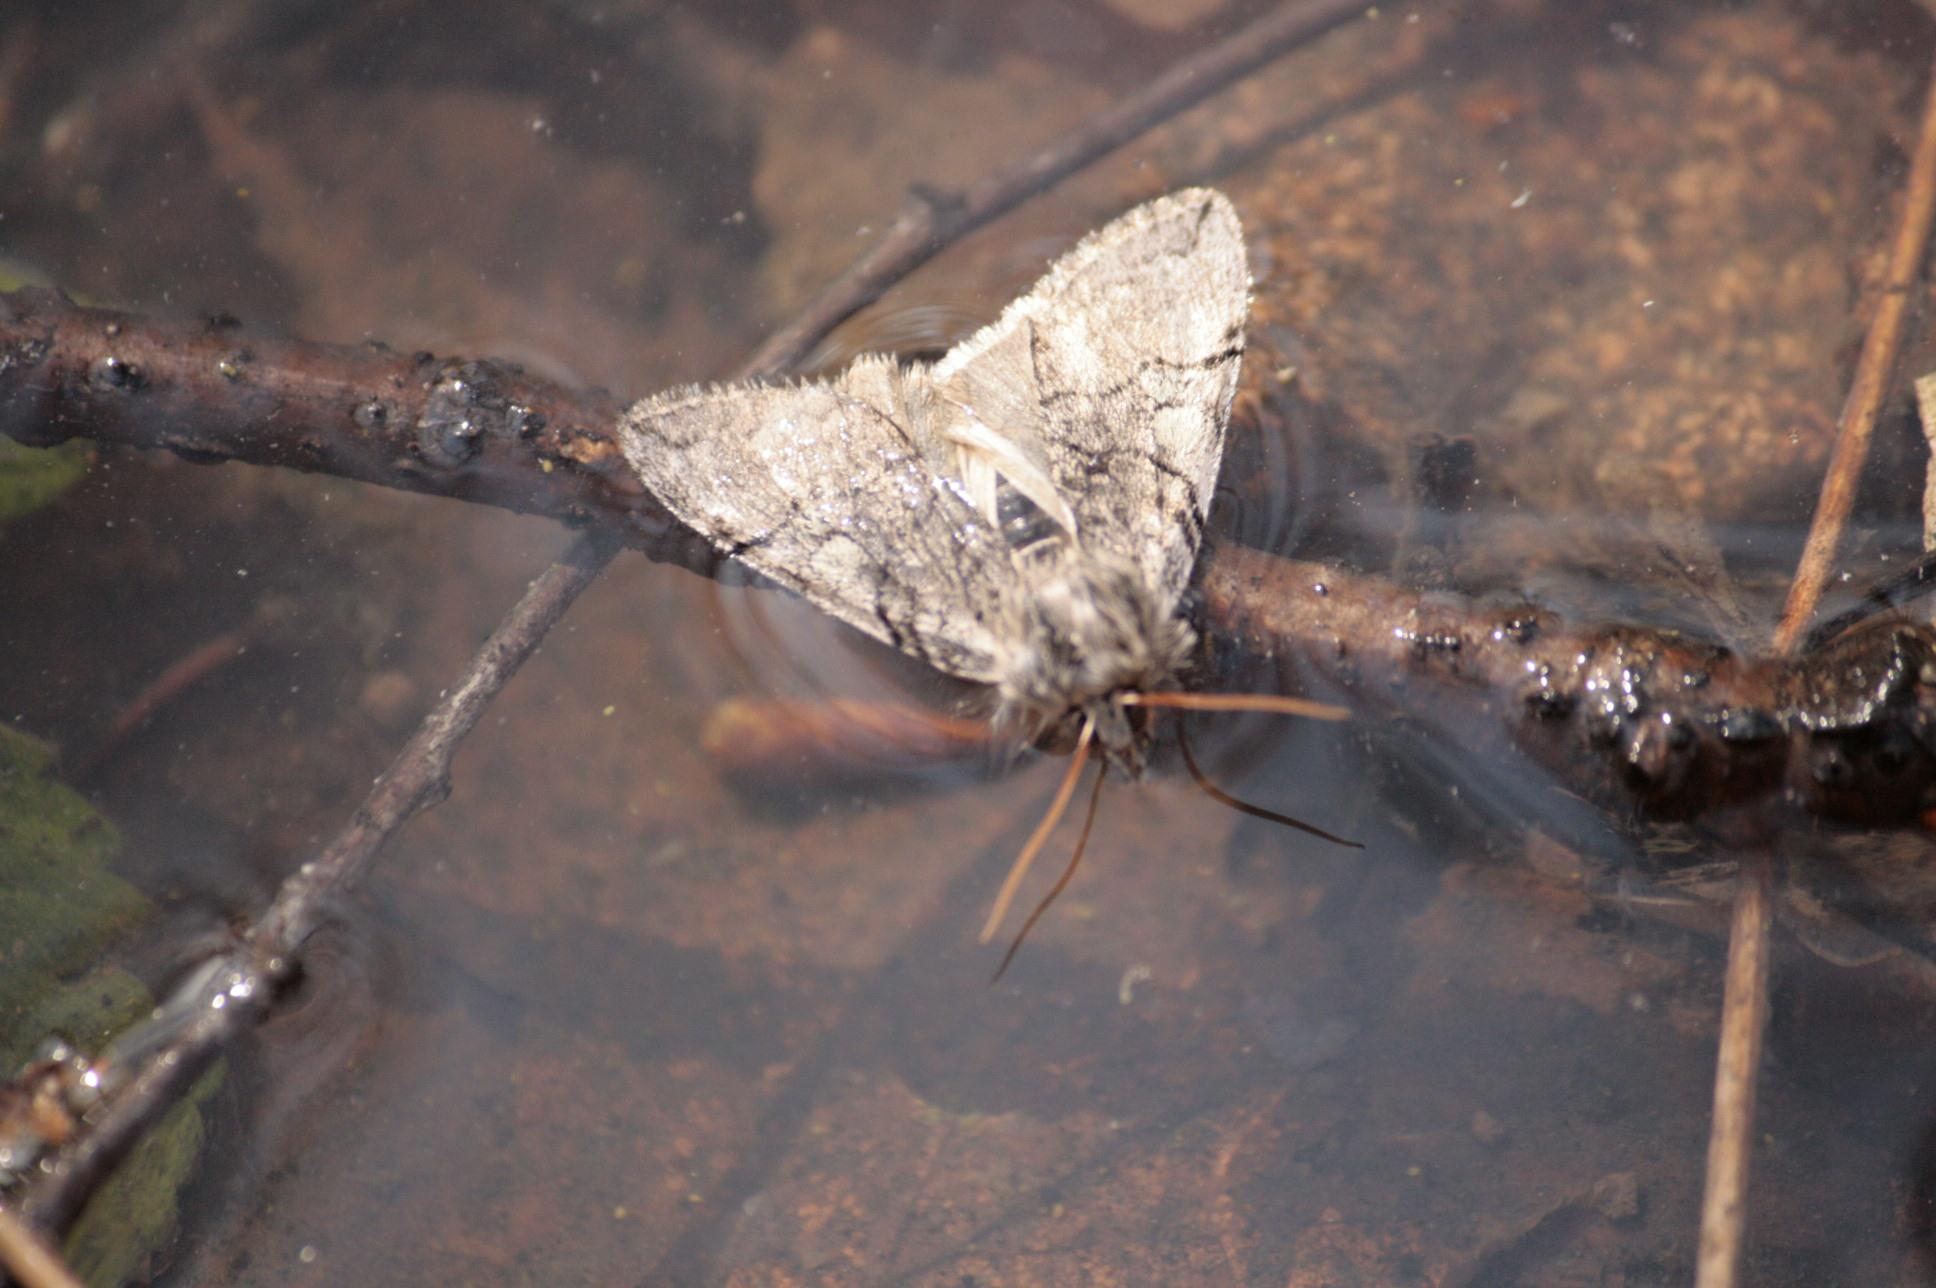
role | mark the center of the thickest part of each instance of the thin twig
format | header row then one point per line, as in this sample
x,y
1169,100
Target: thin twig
x,y
1868,388
1744,1010
237,996
930,220
234,998
1744,1018
181,675
29,1258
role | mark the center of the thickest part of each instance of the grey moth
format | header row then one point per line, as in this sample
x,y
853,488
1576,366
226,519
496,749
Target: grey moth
x,y
1023,513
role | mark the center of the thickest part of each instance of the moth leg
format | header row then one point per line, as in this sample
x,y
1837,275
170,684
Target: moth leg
x,y
1062,882
1040,836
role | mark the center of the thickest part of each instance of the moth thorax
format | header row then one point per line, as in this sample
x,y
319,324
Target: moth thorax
x,y
1094,629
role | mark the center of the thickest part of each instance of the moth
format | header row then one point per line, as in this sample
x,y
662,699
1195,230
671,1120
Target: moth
x,y
1023,513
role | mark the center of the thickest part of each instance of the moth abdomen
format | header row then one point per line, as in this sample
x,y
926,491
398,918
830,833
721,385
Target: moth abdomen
x,y
1022,523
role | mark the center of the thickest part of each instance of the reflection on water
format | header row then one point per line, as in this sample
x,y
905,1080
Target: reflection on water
x,y
610,1015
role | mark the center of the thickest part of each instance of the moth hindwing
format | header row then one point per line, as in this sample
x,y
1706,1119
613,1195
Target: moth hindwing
x,y
1023,513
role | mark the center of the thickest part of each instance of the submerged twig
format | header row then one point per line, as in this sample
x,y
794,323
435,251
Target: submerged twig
x,y
931,220
1744,1019
230,999
465,429
181,675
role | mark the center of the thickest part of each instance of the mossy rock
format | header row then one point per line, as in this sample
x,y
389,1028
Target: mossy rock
x,y
63,911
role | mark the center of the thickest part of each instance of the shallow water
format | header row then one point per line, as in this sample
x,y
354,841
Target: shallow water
x,y
617,1012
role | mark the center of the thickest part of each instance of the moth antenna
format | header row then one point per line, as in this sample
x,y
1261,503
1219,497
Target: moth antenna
x,y
1275,702
1040,836
1061,884
1223,797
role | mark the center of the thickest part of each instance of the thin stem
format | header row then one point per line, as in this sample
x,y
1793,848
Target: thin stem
x,y
931,221
1868,388
232,1000
1744,1018
1744,1011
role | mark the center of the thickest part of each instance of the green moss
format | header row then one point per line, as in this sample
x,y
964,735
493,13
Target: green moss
x,y
62,910
16,273
30,477
133,1216
88,1011
63,906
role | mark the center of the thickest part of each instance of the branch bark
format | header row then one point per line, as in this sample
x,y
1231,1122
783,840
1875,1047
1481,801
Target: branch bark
x,y
472,429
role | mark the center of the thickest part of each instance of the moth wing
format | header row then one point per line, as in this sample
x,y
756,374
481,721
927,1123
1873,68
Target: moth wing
x,y
1116,371
819,487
